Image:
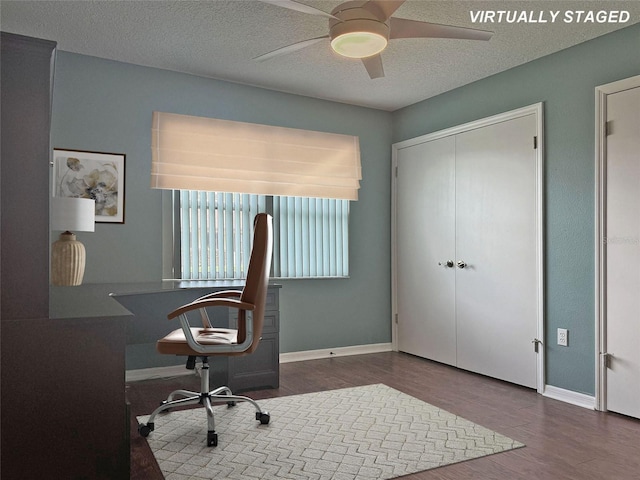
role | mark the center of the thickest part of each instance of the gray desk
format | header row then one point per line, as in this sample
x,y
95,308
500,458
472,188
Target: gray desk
x,y
150,302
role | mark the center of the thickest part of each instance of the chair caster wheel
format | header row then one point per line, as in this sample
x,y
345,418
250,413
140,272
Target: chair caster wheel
x,y
144,429
212,439
263,417
231,404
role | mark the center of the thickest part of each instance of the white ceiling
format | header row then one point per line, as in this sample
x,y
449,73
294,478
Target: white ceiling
x,y
219,38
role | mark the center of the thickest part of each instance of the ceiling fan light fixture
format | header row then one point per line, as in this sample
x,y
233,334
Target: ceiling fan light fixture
x,y
358,44
358,37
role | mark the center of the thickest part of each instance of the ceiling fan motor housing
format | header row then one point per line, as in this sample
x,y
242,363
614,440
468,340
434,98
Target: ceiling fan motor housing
x,y
355,21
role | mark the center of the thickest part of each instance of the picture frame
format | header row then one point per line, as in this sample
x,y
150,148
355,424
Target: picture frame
x,y
96,175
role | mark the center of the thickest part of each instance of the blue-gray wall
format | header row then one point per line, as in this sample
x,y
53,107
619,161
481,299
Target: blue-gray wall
x,y
565,82
106,106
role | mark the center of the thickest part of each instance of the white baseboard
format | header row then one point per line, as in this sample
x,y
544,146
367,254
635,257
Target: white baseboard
x,y
156,372
567,396
176,370
334,352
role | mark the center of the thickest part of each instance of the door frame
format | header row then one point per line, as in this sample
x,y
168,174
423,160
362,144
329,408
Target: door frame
x,y
602,92
535,109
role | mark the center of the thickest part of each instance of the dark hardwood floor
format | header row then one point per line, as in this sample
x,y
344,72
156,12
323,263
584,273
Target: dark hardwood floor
x,y
562,441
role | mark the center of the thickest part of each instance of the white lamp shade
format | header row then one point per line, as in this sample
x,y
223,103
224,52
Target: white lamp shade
x,y
73,214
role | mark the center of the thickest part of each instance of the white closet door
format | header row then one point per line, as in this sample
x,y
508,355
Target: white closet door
x,y
425,213
496,292
623,252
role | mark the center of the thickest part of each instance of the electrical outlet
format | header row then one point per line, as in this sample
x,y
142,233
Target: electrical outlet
x,y
563,337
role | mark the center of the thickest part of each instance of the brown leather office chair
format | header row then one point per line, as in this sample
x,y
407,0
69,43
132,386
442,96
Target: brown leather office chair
x,y
207,341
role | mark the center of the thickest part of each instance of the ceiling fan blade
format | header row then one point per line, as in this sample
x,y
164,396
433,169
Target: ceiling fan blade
x,y
404,28
374,67
382,9
298,7
290,48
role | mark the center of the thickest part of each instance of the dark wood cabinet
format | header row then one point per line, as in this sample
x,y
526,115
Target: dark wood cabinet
x,y
63,394
63,399
26,80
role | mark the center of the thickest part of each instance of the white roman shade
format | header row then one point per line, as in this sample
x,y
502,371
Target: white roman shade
x,y
208,154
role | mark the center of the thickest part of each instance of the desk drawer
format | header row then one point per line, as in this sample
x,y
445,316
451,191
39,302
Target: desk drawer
x,y
261,369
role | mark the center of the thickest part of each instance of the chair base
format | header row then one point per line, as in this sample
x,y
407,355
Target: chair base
x,y
206,398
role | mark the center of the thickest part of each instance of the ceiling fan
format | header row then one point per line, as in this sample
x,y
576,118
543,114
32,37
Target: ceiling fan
x,y
361,29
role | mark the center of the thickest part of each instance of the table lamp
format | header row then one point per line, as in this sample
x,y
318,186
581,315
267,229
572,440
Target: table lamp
x,y
68,255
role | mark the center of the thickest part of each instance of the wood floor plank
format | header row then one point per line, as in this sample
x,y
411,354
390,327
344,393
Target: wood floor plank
x,y
564,442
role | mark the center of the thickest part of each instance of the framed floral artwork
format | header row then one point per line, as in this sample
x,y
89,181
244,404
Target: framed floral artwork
x,y
95,175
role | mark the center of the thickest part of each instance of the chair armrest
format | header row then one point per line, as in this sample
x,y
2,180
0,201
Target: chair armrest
x,y
214,302
222,293
215,349
206,322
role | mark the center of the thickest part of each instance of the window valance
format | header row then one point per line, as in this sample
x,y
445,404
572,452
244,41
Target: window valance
x,y
208,154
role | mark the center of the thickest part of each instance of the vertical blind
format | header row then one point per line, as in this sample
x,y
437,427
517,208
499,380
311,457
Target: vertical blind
x,y
310,235
209,154
215,233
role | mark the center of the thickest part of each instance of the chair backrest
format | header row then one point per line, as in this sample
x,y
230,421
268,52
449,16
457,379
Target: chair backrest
x,y
255,289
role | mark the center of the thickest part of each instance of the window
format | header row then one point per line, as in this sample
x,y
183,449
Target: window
x,y
213,234
282,171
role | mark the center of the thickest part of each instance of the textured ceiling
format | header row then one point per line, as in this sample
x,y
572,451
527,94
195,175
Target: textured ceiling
x,y
219,39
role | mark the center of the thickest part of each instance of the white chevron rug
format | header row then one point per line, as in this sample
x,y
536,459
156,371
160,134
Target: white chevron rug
x,y
371,432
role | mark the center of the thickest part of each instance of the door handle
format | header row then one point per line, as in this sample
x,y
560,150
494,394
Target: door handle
x,y
536,344
461,264
447,264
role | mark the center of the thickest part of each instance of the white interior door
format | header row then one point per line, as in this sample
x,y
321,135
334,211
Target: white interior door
x,y
425,213
623,252
496,300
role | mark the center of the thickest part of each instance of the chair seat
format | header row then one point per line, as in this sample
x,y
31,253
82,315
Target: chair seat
x,y
176,344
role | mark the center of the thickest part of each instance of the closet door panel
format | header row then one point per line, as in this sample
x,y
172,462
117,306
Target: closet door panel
x,y
495,237
425,216
623,253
